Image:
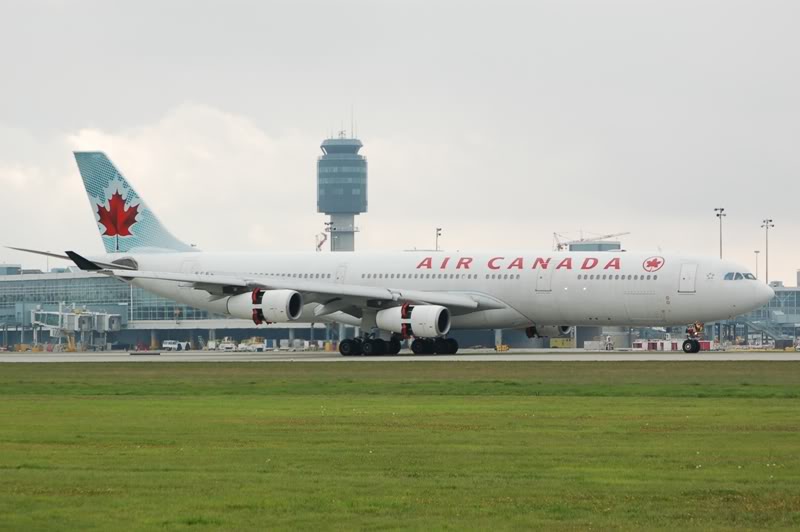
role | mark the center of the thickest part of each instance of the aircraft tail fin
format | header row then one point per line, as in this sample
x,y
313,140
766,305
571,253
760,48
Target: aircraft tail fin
x,y
123,218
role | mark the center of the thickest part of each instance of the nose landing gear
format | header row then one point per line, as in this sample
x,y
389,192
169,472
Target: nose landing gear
x,y
692,343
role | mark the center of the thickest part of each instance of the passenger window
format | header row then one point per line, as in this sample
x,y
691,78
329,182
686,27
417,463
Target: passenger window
x,y
635,277
655,277
648,277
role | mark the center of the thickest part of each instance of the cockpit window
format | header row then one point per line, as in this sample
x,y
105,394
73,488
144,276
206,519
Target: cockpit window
x,y
737,276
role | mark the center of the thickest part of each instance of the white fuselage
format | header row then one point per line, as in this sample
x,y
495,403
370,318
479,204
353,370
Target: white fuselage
x,y
536,288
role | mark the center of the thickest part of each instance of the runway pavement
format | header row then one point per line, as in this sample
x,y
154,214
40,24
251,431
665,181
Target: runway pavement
x,y
464,356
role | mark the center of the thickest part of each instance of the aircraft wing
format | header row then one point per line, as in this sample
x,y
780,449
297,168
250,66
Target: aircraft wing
x,y
315,291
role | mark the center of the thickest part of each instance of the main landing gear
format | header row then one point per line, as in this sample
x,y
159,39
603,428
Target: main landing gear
x,y
376,346
692,343
430,346
369,347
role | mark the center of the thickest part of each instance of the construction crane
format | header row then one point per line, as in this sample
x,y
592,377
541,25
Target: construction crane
x,y
562,243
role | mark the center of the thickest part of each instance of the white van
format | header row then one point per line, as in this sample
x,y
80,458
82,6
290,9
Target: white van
x,y
175,345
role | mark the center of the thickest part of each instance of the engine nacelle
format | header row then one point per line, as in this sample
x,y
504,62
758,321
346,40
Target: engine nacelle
x,y
423,321
551,331
267,306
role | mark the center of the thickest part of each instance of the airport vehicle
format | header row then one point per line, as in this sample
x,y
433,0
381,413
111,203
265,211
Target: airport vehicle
x,y
423,295
227,345
174,345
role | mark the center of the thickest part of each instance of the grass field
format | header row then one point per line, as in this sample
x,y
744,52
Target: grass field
x,y
400,445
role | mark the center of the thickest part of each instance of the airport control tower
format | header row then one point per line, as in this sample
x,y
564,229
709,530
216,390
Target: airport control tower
x,y
341,189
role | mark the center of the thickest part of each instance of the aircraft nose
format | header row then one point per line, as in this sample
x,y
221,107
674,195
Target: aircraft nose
x,y
765,293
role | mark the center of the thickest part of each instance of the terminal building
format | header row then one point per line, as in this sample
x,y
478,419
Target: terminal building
x,y
145,319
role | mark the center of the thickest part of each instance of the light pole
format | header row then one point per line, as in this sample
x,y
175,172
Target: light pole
x,y
757,252
767,224
438,234
720,213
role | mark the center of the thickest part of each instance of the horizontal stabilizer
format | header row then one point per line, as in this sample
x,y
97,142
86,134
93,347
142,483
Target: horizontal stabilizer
x,y
36,252
83,263
67,257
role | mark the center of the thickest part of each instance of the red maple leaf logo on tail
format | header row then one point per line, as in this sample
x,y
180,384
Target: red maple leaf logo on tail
x,y
117,219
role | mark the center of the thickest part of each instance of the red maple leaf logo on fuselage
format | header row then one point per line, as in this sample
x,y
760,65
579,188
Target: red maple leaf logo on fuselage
x,y
117,219
653,264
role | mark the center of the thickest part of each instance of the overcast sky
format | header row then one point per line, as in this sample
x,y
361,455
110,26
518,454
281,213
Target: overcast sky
x,y
501,122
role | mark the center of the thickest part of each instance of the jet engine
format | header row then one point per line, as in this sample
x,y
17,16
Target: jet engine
x,y
423,321
550,331
267,306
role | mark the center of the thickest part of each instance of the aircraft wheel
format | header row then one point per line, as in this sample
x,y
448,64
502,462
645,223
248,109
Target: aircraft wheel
x,y
691,345
380,346
368,348
347,348
418,346
452,346
440,346
394,346
358,348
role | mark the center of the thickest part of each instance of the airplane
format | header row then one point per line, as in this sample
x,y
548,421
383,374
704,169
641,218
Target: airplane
x,y
393,296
